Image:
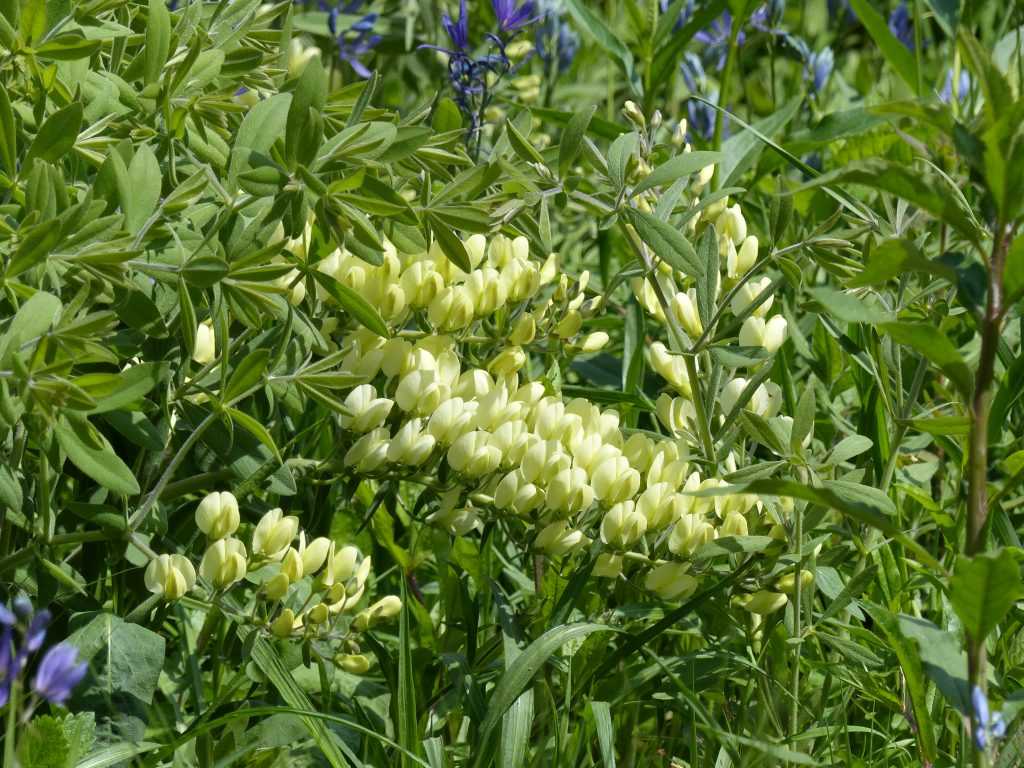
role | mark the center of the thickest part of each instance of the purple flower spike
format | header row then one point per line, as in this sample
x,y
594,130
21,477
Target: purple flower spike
x,y
901,26
7,618
7,670
58,673
458,31
510,18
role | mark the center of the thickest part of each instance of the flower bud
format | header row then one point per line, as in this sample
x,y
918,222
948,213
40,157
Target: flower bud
x,y
670,581
639,449
170,576
622,525
354,664
676,413
608,566
291,565
570,324
684,309
276,586
384,609
283,625
367,410
734,524
410,445
452,309
274,534
634,115
458,522
787,582
217,515
764,602
543,460
670,367
731,224
224,563
452,419
513,492
318,614
739,262
594,342
558,539
205,350
508,361
524,331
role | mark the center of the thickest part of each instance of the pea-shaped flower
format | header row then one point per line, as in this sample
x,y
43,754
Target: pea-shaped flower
x,y
276,587
670,581
411,446
735,524
558,539
614,480
746,294
543,460
170,576
676,413
369,452
367,410
353,663
291,565
274,534
763,602
740,261
608,565
622,525
285,623
655,504
473,455
515,493
569,492
787,582
769,334
314,554
689,533
420,392
731,225
639,449
205,350
524,331
452,308
384,609
217,515
224,563
507,362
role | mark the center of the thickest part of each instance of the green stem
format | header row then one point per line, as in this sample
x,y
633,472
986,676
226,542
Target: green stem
x,y
723,87
12,724
977,461
794,690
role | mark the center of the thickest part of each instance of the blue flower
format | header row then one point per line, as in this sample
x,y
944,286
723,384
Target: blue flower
x,y
986,727
700,117
458,31
512,17
555,38
963,83
58,673
818,68
357,41
900,25
7,669
716,37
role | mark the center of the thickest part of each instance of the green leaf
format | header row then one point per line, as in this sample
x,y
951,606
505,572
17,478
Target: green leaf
x,y
144,179
450,243
685,164
158,40
618,158
983,589
256,429
601,713
358,307
90,451
572,139
934,345
803,419
32,24
927,191
408,730
895,257
118,390
521,145
1013,271
125,659
740,151
264,124
246,375
947,13
43,744
57,135
594,26
898,55
8,135
666,241
116,754
32,320
515,679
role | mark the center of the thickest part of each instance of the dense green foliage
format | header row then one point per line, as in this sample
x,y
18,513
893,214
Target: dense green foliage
x,y
404,382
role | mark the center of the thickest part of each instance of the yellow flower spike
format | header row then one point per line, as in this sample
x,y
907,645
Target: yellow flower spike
x,y
623,525
276,587
274,534
170,576
420,392
670,581
224,563
543,460
205,350
758,332
473,384
473,455
411,446
746,294
452,419
515,493
217,515
639,449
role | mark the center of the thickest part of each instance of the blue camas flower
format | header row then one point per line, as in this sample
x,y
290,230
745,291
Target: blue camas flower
x,y
818,68
513,17
458,31
354,41
59,672
716,37
901,26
